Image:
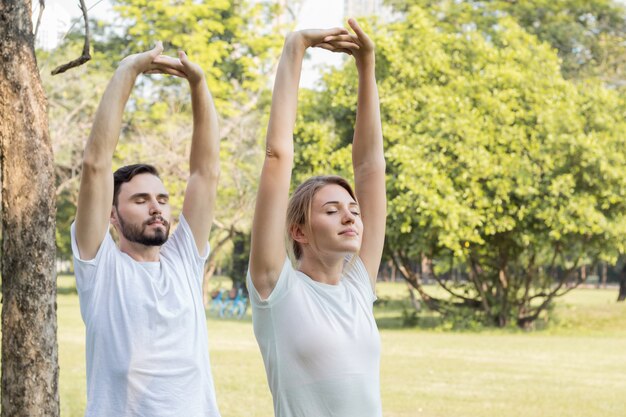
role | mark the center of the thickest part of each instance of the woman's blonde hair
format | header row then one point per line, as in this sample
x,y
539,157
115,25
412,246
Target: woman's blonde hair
x,y
299,208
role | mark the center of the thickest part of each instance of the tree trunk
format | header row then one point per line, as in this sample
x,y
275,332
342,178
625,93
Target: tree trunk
x,y
208,274
414,301
622,285
583,274
29,348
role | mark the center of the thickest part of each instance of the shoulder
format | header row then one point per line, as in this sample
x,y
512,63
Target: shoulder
x,y
283,285
181,240
356,274
107,245
355,268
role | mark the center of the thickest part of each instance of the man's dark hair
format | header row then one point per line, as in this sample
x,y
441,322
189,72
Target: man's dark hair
x,y
126,173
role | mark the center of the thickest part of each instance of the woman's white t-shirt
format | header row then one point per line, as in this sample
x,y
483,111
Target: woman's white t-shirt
x,y
320,344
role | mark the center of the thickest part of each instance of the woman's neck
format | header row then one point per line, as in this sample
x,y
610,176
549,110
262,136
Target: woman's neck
x,y
326,270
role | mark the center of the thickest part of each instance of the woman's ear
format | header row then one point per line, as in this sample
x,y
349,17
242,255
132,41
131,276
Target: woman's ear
x,y
297,234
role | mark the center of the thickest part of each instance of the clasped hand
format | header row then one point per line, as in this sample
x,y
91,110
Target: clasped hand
x,y
152,62
340,40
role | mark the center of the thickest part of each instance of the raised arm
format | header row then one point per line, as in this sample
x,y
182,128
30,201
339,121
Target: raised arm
x,y
204,162
204,159
95,195
367,151
267,252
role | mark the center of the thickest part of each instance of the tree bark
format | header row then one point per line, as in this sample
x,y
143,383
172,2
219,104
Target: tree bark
x,y
208,274
622,285
29,348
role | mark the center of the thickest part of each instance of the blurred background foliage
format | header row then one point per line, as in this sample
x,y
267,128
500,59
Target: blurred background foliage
x,y
504,125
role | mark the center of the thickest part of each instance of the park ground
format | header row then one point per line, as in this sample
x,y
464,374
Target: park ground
x,y
574,366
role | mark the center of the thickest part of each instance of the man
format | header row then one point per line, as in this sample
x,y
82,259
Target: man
x,y
147,347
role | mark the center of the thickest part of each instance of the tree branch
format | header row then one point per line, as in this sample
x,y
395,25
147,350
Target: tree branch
x,y
85,55
466,300
474,274
42,6
401,262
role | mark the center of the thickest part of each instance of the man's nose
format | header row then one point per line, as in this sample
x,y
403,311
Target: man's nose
x,y
155,207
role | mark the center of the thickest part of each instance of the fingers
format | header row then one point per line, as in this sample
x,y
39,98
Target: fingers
x,y
312,37
182,56
367,46
333,48
163,64
184,61
157,50
356,28
168,61
351,46
348,42
166,71
335,32
341,38
166,65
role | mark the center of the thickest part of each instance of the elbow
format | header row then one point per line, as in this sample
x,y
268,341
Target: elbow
x,y
210,172
375,166
95,166
279,153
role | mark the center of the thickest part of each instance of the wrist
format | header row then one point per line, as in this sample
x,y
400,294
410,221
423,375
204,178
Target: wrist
x,y
365,63
127,68
295,42
198,82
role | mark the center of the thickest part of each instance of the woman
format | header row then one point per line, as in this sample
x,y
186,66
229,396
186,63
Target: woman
x,y
314,324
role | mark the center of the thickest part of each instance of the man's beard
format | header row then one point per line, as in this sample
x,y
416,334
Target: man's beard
x,y
137,234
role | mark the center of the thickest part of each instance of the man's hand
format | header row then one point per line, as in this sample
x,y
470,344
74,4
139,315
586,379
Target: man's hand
x,y
140,62
358,44
179,67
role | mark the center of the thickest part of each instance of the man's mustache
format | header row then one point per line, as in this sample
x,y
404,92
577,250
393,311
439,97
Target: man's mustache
x,y
155,219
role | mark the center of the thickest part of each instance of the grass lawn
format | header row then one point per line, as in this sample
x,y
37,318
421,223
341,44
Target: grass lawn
x,y
575,367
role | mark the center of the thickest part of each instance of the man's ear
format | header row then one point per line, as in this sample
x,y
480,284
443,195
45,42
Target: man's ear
x,y
113,218
297,234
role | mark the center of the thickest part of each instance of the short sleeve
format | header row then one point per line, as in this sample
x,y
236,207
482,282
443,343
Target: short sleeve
x,y
281,288
85,269
183,242
356,273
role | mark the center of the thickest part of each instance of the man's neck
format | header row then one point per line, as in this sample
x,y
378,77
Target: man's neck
x,y
139,252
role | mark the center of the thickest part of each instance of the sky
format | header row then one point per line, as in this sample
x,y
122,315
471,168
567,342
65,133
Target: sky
x,y
319,14
313,14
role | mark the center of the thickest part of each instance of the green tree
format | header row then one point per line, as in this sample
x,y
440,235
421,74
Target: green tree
x,y
498,166
589,35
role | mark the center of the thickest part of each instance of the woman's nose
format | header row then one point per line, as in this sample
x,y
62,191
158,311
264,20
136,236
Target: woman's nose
x,y
349,217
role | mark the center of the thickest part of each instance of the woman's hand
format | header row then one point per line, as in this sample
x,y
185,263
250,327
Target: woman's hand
x,y
358,44
310,38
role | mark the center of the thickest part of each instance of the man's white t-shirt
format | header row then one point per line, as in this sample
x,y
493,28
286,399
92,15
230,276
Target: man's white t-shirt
x,y
147,343
320,344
